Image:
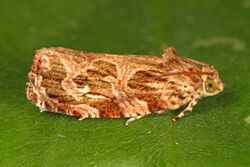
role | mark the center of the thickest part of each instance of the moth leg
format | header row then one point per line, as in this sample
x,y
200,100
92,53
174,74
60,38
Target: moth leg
x,y
132,119
188,109
81,118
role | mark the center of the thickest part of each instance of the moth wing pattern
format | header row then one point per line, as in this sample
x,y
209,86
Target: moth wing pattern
x,y
100,85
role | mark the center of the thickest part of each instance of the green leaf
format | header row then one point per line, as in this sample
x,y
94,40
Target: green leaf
x,y
217,133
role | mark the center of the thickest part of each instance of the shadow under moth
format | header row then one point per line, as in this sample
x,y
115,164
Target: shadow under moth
x,y
100,85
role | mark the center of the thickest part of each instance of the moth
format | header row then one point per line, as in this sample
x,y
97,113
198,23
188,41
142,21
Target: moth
x,y
100,85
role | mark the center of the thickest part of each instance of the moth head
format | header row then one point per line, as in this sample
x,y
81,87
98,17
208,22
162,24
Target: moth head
x,y
211,81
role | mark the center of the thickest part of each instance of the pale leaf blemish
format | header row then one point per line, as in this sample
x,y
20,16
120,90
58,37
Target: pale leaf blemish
x,y
60,135
247,119
246,4
36,142
235,43
190,19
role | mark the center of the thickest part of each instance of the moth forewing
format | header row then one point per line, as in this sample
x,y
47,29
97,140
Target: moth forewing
x,y
98,85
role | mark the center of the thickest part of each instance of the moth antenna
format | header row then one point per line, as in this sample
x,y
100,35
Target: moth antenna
x,y
179,73
189,73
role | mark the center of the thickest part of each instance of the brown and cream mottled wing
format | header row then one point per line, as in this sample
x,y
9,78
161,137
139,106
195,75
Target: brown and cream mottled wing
x,y
104,85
